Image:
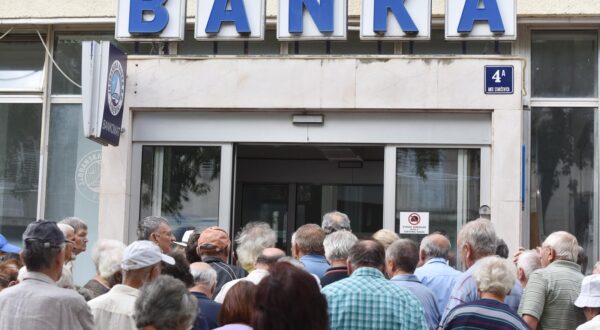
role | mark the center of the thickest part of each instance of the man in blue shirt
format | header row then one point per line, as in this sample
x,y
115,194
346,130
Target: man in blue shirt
x,y
366,300
205,281
435,272
476,240
401,259
307,246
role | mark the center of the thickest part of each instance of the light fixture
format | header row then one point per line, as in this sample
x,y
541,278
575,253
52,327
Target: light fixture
x,y
308,119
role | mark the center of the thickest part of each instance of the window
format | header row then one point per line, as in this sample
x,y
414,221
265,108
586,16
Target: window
x,y
20,131
21,63
438,45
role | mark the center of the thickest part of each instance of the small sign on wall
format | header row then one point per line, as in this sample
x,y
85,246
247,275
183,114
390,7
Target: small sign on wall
x,y
416,223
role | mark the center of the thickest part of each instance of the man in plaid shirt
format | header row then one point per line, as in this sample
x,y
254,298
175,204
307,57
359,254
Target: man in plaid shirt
x,y
367,300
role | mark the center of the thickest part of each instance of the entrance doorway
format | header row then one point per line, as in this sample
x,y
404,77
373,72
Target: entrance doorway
x,y
290,185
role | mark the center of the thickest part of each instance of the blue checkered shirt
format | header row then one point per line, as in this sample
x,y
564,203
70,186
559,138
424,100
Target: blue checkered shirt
x,y
366,300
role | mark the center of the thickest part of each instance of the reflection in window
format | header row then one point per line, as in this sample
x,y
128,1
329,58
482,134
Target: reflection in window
x,y
181,183
564,63
268,203
20,126
562,173
21,63
430,180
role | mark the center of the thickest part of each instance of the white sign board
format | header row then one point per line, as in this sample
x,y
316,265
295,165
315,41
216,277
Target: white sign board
x,y
419,12
473,14
414,223
252,13
310,31
150,20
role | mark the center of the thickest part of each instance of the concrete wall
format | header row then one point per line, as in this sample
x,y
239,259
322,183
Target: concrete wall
x,y
106,9
451,84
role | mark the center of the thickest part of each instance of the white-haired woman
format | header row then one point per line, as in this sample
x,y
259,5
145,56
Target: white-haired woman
x,y
107,255
495,277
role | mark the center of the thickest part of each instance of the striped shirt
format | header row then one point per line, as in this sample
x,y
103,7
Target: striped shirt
x,y
366,300
550,295
485,314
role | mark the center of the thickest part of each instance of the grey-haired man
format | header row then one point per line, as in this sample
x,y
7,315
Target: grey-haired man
x,y
37,302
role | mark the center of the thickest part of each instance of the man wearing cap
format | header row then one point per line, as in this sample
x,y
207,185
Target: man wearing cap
x,y
213,248
589,301
37,302
141,264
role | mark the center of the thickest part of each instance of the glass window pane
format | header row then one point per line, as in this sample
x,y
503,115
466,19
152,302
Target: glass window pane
x,y
436,45
191,46
67,54
230,47
21,63
20,126
268,46
353,45
73,182
181,183
564,63
268,203
562,174
315,47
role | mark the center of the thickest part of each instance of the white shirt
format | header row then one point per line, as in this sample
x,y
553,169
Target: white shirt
x,y
593,324
254,276
115,309
37,303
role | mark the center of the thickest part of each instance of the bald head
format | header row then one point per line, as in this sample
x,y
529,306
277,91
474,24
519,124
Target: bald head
x,y
205,278
268,257
199,266
434,246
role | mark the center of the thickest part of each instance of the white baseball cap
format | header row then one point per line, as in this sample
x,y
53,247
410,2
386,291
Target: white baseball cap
x,y
186,237
141,254
590,292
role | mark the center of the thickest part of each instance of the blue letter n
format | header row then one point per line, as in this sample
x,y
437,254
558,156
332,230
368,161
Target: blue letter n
x,y
137,9
320,11
220,14
472,13
380,13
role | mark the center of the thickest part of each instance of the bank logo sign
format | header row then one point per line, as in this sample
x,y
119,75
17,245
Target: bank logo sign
x,y
87,175
164,20
103,77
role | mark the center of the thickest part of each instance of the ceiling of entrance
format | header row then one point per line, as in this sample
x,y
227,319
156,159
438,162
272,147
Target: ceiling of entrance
x,y
313,152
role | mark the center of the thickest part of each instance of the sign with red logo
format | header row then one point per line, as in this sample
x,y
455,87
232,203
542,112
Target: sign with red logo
x,y
414,223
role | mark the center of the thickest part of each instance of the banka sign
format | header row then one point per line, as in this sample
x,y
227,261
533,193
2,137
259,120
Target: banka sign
x,y
164,20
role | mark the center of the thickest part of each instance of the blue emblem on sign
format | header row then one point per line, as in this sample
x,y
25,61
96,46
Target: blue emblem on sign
x,y
499,79
115,88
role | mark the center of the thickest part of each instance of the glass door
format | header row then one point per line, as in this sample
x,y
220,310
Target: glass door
x,y
443,183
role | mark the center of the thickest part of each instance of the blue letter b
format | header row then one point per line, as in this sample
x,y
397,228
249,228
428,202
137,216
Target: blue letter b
x,y
137,8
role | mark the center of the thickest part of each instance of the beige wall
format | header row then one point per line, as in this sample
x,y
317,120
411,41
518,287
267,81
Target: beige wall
x,y
105,9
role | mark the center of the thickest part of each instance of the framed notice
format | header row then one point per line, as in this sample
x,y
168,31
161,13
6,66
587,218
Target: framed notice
x,y
416,223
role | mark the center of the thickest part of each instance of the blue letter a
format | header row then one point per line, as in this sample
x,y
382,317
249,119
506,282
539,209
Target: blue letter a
x,y
472,13
321,12
220,14
380,13
137,8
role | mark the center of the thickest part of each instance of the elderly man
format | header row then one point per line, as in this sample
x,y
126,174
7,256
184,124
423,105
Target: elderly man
x,y
81,232
401,259
265,260
495,277
597,268
205,280
337,246
252,240
435,272
107,255
548,301
37,303
334,221
141,265
164,304
476,240
66,279
307,246
366,300
158,231
589,301
213,247
527,262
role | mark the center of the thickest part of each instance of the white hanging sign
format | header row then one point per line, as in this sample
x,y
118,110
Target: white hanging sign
x,y
414,223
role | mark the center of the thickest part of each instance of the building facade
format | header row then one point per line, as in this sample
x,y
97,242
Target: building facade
x,y
227,132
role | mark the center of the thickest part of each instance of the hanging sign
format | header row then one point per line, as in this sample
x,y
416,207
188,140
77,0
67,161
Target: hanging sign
x,y
414,223
103,77
499,79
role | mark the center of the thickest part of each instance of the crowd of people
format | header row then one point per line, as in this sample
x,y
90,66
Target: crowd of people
x,y
331,280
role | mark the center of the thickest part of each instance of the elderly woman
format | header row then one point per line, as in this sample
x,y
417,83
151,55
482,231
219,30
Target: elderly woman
x,y
165,304
589,301
107,255
495,277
